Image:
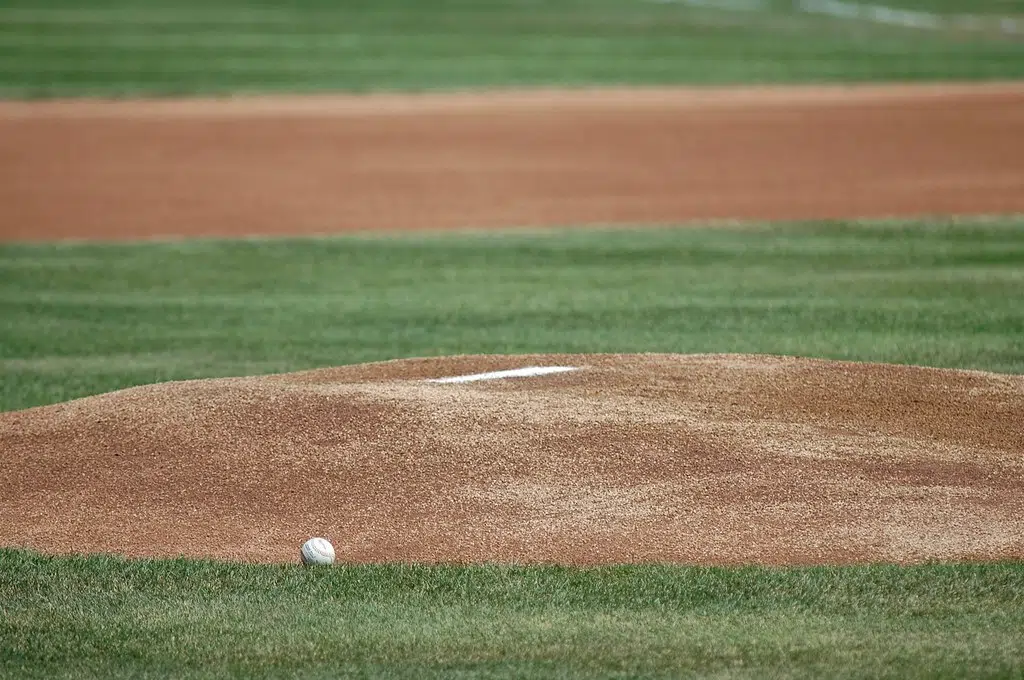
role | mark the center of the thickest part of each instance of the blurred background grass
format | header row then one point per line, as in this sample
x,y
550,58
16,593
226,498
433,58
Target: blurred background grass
x,y
80,319
158,47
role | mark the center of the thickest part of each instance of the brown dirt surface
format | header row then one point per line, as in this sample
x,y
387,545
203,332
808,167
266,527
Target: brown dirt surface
x,y
708,459
305,165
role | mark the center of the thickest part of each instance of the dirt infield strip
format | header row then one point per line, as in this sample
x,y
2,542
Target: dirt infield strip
x,y
93,169
722,459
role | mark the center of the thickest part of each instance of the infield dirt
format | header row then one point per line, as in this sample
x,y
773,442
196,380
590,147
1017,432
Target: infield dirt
x,y
315,165
716,459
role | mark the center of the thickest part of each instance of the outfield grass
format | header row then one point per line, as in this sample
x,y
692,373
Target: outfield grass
x,y
147,47
106,617
79,319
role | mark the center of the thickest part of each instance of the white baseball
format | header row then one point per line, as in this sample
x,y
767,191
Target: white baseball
x,y
317,551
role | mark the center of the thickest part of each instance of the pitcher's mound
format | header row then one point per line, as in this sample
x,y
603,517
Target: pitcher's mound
x,y
717,459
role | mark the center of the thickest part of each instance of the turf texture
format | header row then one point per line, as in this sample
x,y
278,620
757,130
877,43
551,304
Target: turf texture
x,y
54,48
107,617
80,319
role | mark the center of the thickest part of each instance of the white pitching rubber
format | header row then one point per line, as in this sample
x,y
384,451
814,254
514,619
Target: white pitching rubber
x,y
528,372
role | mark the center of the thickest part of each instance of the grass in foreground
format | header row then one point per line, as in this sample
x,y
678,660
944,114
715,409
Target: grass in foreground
x,y
147,47
107,617
79,319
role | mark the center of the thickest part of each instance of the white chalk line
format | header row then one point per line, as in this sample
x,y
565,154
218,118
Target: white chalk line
x,y
878,14
908,18
527,372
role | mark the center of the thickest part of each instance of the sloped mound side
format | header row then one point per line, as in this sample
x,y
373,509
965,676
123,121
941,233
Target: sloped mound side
x,y
713,459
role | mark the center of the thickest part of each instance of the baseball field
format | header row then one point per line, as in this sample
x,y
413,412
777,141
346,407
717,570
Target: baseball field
x,y
759,266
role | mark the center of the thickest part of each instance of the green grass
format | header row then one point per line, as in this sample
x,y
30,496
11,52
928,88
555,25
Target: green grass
x,y
114,47
106,617
78,319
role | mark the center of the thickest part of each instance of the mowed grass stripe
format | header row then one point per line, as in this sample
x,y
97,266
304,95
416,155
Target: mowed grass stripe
x,y
180,47
80,319
55,15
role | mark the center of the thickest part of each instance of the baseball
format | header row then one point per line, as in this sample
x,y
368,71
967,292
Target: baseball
x,y
317,551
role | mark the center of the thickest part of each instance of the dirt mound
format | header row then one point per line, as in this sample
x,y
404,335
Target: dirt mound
x,y
715,459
